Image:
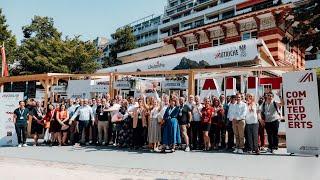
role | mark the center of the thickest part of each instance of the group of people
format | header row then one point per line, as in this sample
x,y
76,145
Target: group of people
x,y
236,123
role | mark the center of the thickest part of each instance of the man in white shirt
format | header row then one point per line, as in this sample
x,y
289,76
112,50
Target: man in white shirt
x,y
86,116
230,108
238,122
196,131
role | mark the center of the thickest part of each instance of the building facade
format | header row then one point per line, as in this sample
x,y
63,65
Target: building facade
x,y
145,30
250,20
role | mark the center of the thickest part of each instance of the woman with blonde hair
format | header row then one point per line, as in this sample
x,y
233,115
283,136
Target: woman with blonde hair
x,y
154,128
252,123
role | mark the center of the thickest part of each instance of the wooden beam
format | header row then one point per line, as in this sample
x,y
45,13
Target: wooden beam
x,y
111,89
191,83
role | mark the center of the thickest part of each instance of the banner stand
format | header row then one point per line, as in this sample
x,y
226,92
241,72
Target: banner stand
x,y
302,112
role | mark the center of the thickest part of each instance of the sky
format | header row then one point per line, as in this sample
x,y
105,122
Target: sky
x,y
88,18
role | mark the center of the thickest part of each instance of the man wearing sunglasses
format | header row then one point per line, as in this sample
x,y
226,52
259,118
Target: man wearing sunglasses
x,y
272,116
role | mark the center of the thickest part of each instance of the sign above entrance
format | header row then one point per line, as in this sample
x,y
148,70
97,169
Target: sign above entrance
x,y
225,54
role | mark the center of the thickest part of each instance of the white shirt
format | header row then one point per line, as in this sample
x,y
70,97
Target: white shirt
x,y
237,111
163,110
252,116
72,109
84,113
155,113
196,116
231,113
94,108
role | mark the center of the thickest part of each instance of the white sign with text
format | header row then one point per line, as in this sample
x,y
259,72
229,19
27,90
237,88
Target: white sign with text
x,y
302,112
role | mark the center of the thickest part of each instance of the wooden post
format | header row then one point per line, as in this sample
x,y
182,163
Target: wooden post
x,y
111,92
46,92
191,83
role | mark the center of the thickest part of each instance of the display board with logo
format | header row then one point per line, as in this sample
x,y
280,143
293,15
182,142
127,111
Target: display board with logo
x,y
79,89
175,84
9,102
300,92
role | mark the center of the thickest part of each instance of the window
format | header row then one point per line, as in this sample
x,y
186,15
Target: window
x,y
249,35
228,14
217,42
166,21
187,25
193,47
199,23
187,13
181,8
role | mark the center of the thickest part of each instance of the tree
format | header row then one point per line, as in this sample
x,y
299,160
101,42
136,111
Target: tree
x,y
304,20
124,41
7,39
43,50
41,28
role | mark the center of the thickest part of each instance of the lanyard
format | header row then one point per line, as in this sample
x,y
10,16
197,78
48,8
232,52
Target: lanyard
x,y
170,110
21,112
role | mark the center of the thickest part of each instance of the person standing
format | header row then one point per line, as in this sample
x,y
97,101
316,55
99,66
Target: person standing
x,y
252,124
216,124
20,119
171,131
49,117
93,136
184,119
86,116
139,125
223,123
261,126
62,118
230,117
104,119
271,112
240,109
206,115
196,132
154,129
37,114
73,126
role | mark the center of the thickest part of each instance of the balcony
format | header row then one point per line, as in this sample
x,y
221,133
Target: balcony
x,y
211,10
147,29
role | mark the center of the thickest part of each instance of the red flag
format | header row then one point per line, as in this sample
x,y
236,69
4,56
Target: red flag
x,y
5,71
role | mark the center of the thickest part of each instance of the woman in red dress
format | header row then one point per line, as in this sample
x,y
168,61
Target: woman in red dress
x,y
49,117
206,115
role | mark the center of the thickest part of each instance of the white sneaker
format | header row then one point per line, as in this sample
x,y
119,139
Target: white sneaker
x,y
76,145
20,145
240,151
187,149
235,150
24,145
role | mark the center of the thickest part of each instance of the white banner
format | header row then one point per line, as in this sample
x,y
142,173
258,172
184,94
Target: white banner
x,y
59,89
79,89
122,85
9,102
99,88
175,84
229,53
40,93
302,112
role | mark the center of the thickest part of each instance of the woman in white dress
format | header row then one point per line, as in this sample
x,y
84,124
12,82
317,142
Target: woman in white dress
x,y
154,128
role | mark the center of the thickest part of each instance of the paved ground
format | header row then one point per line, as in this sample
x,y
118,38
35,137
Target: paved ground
x,y
121,164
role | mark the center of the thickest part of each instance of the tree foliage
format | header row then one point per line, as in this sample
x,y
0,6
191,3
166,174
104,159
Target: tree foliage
x,y
43,50
7,39
124,41
305,24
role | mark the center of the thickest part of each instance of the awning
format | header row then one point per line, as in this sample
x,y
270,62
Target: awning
x,y
237,52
